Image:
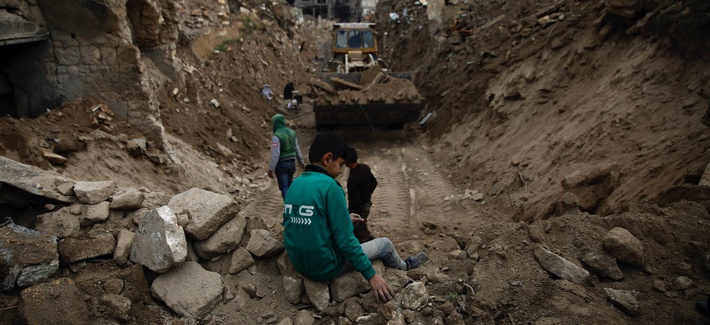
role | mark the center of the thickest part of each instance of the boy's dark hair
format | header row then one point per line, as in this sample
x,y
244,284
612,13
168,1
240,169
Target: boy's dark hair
x,y
325,143
351,156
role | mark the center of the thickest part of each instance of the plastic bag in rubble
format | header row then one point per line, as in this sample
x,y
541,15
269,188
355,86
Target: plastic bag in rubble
x,y
394,16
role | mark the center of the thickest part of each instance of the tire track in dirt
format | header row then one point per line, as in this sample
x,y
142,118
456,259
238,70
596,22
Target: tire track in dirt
x,y
411,194
391,199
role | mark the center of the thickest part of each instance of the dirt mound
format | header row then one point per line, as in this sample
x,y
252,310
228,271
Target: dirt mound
x,y
382,89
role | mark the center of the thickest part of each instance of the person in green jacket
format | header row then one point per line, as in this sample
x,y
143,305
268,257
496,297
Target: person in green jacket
x,y
284,153
318,229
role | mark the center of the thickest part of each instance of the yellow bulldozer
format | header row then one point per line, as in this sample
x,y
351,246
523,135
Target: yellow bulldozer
x,y
357,88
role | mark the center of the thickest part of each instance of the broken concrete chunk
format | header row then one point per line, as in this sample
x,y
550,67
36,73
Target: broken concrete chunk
x,y
95,213
26,256
129,200
263,244
159,243
123,246
117,306
61,223
414,296
620,243
73,249
93,192
241,259
207,210
293,288
225,239
56,302
559,266
189,290
317,293
353,283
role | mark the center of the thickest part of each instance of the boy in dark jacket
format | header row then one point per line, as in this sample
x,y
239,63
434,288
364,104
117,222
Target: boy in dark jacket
x,y
361,185
318,229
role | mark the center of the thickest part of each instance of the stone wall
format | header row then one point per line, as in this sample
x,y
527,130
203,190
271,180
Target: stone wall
x,y
100,48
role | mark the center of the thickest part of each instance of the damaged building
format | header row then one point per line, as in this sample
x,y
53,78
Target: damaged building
x,y
57,51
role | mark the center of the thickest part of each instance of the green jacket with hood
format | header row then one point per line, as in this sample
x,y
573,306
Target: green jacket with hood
x,y
287,137
318,232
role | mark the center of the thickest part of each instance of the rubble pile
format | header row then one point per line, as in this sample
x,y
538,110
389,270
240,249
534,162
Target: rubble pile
x,y
381,88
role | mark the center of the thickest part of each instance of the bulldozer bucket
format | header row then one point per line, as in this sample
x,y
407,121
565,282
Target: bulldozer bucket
x,y
391,112
395,115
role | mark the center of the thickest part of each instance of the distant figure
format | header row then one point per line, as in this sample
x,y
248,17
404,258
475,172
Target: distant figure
x,y
267,92
284,153
288,91
361,185
293,105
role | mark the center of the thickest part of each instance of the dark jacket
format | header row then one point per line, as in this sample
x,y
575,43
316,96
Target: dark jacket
x,y
361,185
318,232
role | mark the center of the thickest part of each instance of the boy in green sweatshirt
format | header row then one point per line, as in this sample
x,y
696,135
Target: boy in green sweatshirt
x,y
318,229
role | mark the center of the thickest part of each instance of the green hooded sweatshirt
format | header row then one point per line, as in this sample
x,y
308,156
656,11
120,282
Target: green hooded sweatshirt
x,y
287,137
318,232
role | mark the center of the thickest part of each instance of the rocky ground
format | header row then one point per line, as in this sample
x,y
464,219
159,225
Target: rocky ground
x,y
557,181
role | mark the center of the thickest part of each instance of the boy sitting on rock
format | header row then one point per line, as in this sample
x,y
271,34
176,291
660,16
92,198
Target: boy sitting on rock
x,y
318,230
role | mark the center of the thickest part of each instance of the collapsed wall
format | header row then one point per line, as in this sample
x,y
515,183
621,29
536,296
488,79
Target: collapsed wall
x,y
94,48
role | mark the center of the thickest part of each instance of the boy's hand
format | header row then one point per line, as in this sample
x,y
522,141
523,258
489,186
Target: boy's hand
x,y
381,289
355,218
302,165
271,174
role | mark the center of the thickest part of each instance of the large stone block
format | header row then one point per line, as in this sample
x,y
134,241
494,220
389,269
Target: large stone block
x,y
94,213
61,223
33,180
94,192
189,290
72,249
56,302
226,238
159,243
26,256
208,211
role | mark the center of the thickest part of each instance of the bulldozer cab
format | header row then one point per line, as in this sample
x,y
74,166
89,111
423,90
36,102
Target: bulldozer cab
x,y
354,48
354,37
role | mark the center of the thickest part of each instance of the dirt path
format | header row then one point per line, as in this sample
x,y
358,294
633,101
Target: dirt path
x,y
415,203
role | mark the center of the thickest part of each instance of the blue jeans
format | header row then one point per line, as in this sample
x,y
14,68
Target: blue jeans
x,y
284,174
379,249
